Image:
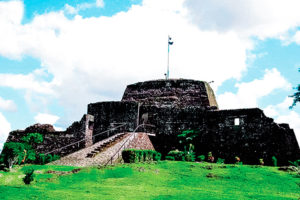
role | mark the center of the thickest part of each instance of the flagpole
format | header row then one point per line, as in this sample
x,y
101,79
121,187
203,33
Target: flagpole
x,y
167,76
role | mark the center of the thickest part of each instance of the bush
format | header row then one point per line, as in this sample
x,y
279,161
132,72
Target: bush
x,y
55,157
170,158
28,176
210,157
49,158
274,160
295,163
261,161
237,160
128,155
177,155
156,156
12,153
135,155
220,161
201,158
41,159
190,157
33,138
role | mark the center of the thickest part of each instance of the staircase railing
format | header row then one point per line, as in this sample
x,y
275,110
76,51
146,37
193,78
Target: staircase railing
x,y
78,142
126,144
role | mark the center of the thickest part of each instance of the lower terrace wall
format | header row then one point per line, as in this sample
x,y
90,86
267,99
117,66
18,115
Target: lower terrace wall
x,y
52,139
255,136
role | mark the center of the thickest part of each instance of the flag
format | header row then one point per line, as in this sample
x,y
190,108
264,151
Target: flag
x,y
170,41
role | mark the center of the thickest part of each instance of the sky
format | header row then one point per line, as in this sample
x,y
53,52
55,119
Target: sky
x,y
56,56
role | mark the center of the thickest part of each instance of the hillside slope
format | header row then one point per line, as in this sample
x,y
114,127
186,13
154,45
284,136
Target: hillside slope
x,y
164,180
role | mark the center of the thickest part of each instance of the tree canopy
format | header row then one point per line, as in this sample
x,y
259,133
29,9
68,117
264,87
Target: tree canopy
x,y
296,95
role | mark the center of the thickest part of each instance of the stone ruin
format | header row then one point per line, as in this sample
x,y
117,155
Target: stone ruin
x,y
170,107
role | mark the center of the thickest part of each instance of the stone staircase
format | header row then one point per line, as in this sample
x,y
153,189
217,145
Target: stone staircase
x,y
102,146
95,155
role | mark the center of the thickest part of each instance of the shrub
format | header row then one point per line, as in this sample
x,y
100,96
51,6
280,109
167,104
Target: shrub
x,y
128,155
41,159
261,161
190,157
170,158
49,158
12,153
220,161
274,160
156,156
28,176
210,157
150,155
295,163
55,157
201,158
33,138
237,160
177,155
135,155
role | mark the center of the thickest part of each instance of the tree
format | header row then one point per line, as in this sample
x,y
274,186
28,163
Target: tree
x,y
30,142
33,139
12,153
296,96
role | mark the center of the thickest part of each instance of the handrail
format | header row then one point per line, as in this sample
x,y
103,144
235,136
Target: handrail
x,y
123,145
84,139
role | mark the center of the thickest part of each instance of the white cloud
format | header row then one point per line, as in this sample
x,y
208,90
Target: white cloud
x,y
44,118
293,119
296,37
93,59
83,6
263,18
5,128
249,93
7,105
282,114
27,82
100,3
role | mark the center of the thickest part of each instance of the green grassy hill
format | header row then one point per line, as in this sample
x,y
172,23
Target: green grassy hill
x,y
163,180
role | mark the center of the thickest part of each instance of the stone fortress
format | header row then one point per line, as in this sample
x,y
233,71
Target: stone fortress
x,y
169,107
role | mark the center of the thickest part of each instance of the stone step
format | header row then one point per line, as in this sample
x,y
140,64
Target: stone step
x,y
106,144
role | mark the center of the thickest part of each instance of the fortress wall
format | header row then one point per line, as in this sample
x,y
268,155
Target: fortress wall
x,y
111,114
172,92
54,139
256,136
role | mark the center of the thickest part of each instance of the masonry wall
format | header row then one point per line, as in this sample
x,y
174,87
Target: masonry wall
x,y
256,136
52,139
172,92
108,115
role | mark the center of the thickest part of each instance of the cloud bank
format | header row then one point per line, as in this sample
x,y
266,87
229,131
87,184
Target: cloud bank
x,y
93,59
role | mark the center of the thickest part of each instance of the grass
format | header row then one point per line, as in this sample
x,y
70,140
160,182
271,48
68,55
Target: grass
x,y
163,180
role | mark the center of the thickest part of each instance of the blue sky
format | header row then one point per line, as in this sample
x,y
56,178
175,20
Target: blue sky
x,y
57,56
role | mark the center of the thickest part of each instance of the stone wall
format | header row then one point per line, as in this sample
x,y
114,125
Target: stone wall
x,y
173,106
52,139
173,92
108,115
254,136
